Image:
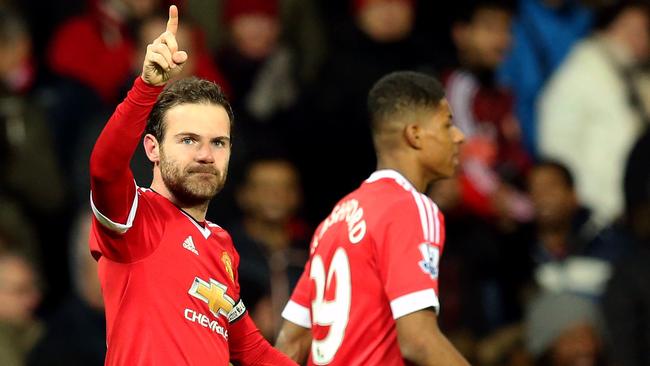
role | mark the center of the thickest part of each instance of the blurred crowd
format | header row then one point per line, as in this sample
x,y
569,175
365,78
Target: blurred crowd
x,y
547,258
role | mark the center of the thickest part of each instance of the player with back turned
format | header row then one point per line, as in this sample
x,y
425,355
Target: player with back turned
x,y
369,293
169,276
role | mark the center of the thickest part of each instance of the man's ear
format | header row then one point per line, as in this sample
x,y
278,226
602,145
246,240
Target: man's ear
x,y
413,135
151,148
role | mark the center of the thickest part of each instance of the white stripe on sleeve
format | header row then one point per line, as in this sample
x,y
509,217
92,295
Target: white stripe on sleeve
x,y
423,215
413,302
430,217
436,219
110,224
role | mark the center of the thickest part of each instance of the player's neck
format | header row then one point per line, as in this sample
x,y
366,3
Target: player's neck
x,y
196,211
411,171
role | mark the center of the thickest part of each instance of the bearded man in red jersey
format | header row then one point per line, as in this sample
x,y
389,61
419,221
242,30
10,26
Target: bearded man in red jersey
x,y
169,276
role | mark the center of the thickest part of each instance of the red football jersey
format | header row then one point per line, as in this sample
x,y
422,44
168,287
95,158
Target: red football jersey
x,y
374,259
170,285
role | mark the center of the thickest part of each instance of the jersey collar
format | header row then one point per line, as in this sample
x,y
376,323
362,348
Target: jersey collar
x,y
391,174
204,229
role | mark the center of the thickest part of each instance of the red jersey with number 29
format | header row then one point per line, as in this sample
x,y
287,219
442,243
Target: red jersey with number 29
x,y
373,260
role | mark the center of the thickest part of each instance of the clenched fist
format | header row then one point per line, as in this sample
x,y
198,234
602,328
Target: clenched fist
x,y
163,60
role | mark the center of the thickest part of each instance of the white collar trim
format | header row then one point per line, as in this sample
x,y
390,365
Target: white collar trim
x,y
391,174
204,230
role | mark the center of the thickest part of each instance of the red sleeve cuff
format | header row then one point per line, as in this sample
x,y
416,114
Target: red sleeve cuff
x,y
248,347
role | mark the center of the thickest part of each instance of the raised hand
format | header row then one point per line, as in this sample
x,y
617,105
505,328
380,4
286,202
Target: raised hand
x,y
163,59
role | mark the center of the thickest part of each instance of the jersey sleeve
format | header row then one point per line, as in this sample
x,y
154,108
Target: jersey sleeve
x,y
115,199
239,310
408,253
297,309
140,238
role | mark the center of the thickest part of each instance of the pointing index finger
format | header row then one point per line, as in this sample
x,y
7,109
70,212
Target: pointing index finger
x,y
172,23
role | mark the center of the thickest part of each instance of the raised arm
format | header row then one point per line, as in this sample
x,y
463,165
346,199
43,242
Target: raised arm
x,y
111,180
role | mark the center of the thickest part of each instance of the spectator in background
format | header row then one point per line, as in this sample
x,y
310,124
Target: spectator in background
x,y
26,152
484,268
566,254
25,147
19,297
75,334
17,229
17,67
258,66
270,237
591,112
626,302
564,330
302,30
493,157
92,55
96,49
375,40
543,33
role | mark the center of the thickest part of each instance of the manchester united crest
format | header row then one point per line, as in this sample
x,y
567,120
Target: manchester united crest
x,y
227,263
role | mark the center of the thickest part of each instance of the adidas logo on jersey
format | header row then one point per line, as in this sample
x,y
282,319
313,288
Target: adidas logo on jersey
x,y
189,245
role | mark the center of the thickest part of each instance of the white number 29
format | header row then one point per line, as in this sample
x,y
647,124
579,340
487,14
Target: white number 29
x,y
333,313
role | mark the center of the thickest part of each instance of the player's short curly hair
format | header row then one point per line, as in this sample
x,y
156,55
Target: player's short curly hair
x,y
401,92
188,90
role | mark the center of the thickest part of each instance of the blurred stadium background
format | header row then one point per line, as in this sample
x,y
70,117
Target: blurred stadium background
x,y
547,257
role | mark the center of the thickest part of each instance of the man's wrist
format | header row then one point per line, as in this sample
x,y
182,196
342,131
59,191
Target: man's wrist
x,y
144,93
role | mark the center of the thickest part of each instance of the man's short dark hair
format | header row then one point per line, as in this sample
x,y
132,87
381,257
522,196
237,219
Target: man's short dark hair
x,y
189,90
559,167
400,92
12,26
464,11
605,14
271,154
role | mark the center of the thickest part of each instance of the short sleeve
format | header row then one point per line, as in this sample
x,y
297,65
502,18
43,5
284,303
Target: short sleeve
x,y
408,253
111,225
297,309
130,241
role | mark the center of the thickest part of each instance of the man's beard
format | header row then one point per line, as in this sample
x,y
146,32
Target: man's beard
x,y
188,187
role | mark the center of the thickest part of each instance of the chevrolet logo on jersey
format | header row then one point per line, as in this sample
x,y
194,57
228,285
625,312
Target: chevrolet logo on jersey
x,y
214,294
